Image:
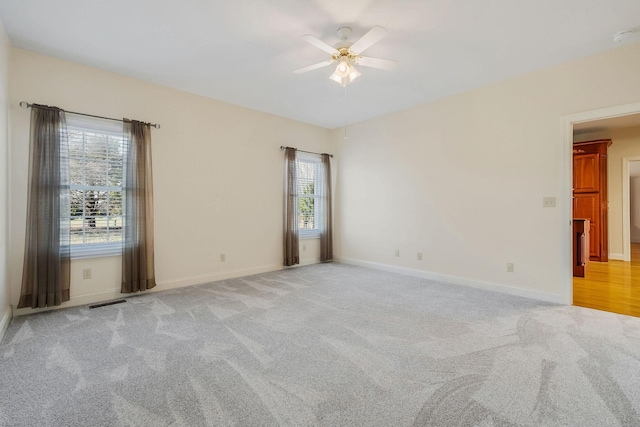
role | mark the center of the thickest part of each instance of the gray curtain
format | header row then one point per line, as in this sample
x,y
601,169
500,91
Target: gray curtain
x,y
138,270
291,231
47,260
326,226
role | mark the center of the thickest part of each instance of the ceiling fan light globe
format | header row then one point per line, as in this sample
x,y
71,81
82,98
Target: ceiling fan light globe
x,y
354,74
336,78
342,81
343,67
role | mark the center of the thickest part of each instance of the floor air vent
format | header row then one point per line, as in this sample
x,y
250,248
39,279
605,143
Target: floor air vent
x,y
118,301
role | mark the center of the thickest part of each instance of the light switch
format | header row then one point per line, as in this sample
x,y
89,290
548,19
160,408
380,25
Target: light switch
x,y
548,202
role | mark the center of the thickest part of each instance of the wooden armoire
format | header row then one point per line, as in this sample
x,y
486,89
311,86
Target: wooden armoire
x,y
590,198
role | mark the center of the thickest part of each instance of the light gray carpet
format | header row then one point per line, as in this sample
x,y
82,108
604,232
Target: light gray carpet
x,y
323,345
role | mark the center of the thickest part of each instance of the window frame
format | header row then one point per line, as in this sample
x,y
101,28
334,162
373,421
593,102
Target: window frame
x,y
109,128
317,161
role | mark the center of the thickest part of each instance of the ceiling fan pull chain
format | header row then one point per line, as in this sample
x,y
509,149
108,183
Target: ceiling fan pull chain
x,y
345,112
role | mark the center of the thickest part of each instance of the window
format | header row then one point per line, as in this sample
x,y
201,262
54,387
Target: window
x,y
95,171
309,175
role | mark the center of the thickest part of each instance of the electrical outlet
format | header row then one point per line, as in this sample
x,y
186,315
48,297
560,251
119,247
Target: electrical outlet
x,y
223,258
397,252
548,202
86,273
419,256
509,267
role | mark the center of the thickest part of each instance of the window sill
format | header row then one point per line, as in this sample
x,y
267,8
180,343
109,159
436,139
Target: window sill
x,y
96,251
309,234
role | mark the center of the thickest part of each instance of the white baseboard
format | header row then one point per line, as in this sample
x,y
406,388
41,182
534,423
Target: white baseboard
x,y
199,280
311,261
616,257
115,293
488,286
107,295
4,322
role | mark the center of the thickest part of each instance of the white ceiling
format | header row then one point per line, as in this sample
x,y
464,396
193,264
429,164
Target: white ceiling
x,y
244,51
607,125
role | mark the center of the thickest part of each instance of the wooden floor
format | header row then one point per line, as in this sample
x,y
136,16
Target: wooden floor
x,y
611,286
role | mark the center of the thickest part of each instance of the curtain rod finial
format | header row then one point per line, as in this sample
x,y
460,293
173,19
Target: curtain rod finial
x,y
24,104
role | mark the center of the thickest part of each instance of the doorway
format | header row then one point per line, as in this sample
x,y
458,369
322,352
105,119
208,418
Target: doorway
x,y
630,204
615,285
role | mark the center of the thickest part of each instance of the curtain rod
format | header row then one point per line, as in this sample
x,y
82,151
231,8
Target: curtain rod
x,y
282,147
24,104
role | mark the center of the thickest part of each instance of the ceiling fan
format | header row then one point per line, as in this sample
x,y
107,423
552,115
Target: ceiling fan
x,y
347,55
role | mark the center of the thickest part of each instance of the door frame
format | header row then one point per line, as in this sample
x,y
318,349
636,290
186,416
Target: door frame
x,y
626,207
567,123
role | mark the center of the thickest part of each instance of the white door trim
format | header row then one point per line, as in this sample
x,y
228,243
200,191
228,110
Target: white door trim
x,y
567,123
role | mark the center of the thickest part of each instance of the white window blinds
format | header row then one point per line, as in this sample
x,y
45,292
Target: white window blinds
x,y
96,150
309,168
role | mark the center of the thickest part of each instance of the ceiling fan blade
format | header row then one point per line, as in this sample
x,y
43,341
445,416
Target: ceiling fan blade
x,y
320,44
314,66
366,41
383,64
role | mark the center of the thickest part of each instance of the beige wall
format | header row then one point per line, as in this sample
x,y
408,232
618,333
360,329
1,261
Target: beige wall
x,y
5,308
218,174
462,179
634,190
